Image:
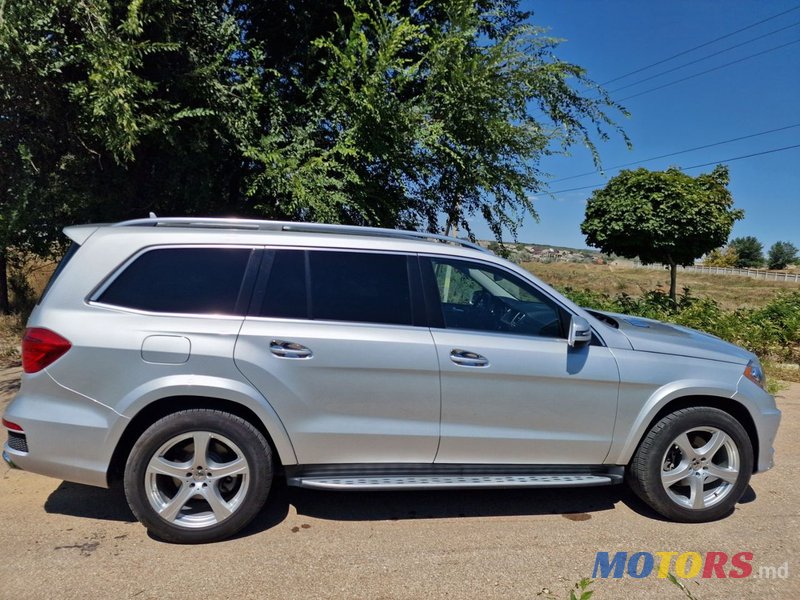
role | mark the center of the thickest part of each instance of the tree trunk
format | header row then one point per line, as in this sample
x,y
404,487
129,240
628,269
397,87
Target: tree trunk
x,y
5,306
673,282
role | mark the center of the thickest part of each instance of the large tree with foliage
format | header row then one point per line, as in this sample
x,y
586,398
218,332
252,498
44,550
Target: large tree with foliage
x,y
781,254
401,113
665,217
750,252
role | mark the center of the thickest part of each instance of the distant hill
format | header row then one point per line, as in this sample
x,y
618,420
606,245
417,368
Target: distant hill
x,y
485,243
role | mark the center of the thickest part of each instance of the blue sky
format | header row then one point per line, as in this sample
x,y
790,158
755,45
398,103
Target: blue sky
x,y
610,38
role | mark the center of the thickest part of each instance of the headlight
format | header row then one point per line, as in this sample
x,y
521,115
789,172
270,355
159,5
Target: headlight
x,y
755,373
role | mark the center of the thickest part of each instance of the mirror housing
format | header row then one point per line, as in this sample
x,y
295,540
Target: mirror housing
x,y
580,332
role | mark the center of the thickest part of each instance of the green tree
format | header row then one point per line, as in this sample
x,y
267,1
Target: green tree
x,y
404,113
781,254
750,252
721,257
663,217
111,109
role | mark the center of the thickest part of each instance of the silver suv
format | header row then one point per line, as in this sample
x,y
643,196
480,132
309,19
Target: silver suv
x,y
197,359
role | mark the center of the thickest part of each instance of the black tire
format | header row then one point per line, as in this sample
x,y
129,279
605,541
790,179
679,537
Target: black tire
x,y
185,498
677,475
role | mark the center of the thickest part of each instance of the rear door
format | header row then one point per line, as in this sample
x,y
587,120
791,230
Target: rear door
x,y
336,341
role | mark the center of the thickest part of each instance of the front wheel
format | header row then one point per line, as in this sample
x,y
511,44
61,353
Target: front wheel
x,y
198,476
693,465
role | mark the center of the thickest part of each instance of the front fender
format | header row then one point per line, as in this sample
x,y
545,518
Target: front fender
x,y
636,423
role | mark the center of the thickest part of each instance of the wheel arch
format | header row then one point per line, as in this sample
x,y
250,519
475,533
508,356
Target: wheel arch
x,y
729,405
162,407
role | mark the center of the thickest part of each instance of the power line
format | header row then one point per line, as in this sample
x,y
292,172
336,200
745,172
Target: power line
x,y
702,58
713,162
728,64
703,45
676,153
727,160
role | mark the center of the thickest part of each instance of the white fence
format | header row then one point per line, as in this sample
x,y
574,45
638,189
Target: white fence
x,y
753,273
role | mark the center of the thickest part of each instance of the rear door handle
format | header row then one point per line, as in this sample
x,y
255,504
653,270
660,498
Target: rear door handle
x,y
286,349
465,358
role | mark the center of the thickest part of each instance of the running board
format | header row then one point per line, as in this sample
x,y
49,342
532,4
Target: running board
x,y
443,482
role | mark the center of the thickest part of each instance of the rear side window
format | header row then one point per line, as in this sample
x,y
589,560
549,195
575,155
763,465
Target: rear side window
x,y
339,286
371,288
286,295
73,248
181,280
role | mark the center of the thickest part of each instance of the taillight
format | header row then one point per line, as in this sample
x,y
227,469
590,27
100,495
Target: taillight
x,y
41,347
12,426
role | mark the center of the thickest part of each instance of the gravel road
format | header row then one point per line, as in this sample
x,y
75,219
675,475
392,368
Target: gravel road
x,y
62,540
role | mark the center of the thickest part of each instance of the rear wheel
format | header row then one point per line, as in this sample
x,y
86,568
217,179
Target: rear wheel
x,y
198,476
693,465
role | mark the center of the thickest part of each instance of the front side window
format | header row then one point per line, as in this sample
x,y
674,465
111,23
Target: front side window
x,y
181,280
480,297
339,286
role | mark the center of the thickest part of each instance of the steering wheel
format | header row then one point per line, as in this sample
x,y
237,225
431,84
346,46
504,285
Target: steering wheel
x,y
483,300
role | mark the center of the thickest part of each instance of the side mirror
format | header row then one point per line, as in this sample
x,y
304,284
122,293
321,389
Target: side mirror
x,y
580,332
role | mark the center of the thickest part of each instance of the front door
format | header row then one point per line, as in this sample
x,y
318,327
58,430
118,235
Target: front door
x,y
513,390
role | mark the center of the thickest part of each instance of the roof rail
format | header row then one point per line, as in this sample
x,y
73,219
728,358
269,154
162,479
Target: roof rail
x,y
259,225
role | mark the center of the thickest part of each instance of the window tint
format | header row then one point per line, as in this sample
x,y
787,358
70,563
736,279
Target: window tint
x,y
480,297
344,286
73,248
286,289
181,280
349,286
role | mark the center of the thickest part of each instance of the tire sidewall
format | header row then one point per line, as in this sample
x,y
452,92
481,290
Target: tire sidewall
x,y
686,420
253,446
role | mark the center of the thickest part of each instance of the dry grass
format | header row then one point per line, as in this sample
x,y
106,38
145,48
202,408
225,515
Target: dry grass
x,y
730,291
11,329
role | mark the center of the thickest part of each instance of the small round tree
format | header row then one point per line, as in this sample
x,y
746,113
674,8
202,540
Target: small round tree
x,y
781,254
665,217
750,252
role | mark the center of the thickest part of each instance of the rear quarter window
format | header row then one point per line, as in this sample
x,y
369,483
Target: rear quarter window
x,y
73,248
181,280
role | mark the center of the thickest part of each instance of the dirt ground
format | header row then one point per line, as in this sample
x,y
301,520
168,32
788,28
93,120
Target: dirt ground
x,y
61,540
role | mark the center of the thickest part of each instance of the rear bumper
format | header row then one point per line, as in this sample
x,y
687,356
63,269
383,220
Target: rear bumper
x,y
8,461
67,434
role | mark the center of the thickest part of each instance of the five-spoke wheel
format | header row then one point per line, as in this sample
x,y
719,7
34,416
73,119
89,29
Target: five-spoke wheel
x,y
693,465
198,475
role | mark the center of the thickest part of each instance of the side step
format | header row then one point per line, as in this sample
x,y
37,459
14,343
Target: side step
x,y
442,482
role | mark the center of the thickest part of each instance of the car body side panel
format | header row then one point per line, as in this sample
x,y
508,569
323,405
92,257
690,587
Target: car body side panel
x,y
368,393
538,401
650,381
106,364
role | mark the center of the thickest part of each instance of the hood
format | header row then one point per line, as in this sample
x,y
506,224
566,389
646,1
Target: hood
x,y
649,335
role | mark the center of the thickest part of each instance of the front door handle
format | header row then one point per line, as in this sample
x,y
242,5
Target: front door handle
x,y
465,358
286,349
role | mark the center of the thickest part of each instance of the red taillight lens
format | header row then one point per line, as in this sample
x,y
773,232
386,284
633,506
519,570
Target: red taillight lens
x,y
40,348
11,426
